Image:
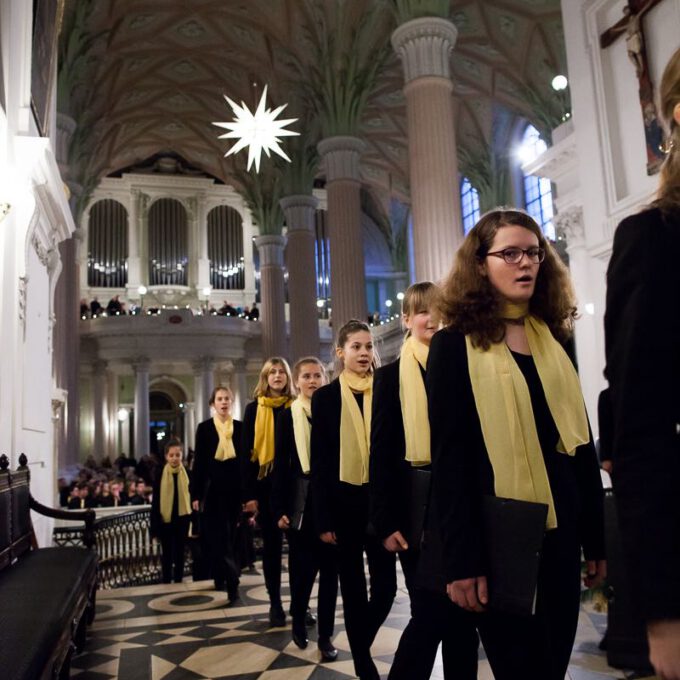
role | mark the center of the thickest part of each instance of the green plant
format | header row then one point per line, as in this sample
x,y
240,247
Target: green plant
x,y
406,10
262,192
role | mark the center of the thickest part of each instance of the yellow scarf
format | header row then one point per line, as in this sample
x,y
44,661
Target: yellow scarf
x,y
506,416
301,410
413,400
167,491
263,448
355,430
225,431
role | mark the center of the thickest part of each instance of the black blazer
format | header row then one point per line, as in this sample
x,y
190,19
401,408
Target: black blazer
x,y
252,487
642,340
155,520
462,472
389,469
287,470
216,483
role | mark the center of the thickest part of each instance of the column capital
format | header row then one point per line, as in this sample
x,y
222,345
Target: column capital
x,y
239,365
99,366
569,225
141,365
270,247
424,46
340,156
300,212
203,364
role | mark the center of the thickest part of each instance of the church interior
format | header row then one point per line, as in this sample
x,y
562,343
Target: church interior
x,y
143,263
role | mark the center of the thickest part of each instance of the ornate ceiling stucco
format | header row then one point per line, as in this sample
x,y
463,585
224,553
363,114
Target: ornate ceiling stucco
x,y
153,75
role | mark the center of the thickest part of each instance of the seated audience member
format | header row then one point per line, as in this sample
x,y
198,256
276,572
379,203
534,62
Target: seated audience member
x,y
114,307
254,313
84,308
95,308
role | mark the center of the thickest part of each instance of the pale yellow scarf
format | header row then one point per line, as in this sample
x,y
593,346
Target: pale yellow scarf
x,y
413,400
355,429
301,410
167,491
263,448
506,416
225,431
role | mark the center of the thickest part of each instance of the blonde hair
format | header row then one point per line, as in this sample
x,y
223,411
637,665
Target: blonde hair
x,y
262,388
307,360
423,295
669,98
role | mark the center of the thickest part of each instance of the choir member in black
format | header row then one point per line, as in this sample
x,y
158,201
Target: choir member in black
x,y
292,503
642,341
171,512
273,395
507,418
216,489
340,474
400,452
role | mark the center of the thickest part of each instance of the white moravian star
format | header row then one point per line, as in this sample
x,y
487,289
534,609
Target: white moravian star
x,y
259,131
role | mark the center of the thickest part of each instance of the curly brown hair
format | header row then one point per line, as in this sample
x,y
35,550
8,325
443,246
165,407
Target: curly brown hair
x,y
469,303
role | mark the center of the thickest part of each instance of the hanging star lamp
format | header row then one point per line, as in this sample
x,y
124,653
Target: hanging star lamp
x,y
259,131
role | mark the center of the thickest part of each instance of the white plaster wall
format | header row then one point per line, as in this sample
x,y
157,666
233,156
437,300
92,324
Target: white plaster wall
x,y
610,146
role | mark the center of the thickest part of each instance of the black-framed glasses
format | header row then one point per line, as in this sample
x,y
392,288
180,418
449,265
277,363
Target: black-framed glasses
x,y
536,254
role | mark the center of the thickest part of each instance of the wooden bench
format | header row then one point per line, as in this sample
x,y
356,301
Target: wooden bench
x,y
47,595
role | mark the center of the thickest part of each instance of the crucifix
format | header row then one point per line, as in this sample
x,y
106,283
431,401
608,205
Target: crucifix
x,y
631,25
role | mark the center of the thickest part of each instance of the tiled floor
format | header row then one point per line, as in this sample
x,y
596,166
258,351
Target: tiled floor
x,y
185,632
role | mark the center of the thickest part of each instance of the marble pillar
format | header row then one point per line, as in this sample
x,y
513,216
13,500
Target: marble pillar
x,y
204,382
272,292
99,407
239,386
134,279
141,368
424,46
300,214
189,426
589,350
340,157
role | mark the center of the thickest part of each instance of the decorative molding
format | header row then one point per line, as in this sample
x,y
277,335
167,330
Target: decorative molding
x,y
341,156
300,212
569,225
271,249
22,289
141,365
424,46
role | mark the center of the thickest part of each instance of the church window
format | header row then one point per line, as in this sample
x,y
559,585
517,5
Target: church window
x,y
469,203
538,199
107,247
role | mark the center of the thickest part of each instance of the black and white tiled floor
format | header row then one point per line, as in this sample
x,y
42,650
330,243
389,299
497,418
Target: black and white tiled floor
x,y
186,632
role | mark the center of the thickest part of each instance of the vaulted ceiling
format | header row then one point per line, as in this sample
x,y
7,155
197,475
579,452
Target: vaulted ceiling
x,y
144,76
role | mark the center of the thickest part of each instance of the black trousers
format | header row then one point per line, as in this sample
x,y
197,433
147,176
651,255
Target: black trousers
x,y
550,633
309,556
173,536
272,545
363,614
434,619
220,540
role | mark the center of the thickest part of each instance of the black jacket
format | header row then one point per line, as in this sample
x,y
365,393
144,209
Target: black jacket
x,y
215,483
642,339
462,472
156,520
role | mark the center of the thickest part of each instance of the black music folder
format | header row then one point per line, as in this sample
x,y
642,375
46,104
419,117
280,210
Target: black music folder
x,y
513,536
299,502
416,502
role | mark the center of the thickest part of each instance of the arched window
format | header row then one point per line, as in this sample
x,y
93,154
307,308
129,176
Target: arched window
x,y
469,204
225,249
168,239
323,257
107,247
538,199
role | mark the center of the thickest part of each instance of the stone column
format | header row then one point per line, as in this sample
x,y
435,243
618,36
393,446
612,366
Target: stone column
x,y
189,425
204,382
424,45
239,386
273,309
340,156
202,260
300,214
587,332
141,368
99,408
134,261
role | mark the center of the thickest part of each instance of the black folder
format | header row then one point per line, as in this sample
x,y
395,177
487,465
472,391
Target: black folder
x,y
299,502
513,536
416,503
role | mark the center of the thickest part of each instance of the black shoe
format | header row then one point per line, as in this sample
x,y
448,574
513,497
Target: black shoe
x,y
234,599
219,585
300,637
310,619
277,617
328,651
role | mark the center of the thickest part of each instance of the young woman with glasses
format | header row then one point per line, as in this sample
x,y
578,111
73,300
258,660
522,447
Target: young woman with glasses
x,y
507,419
